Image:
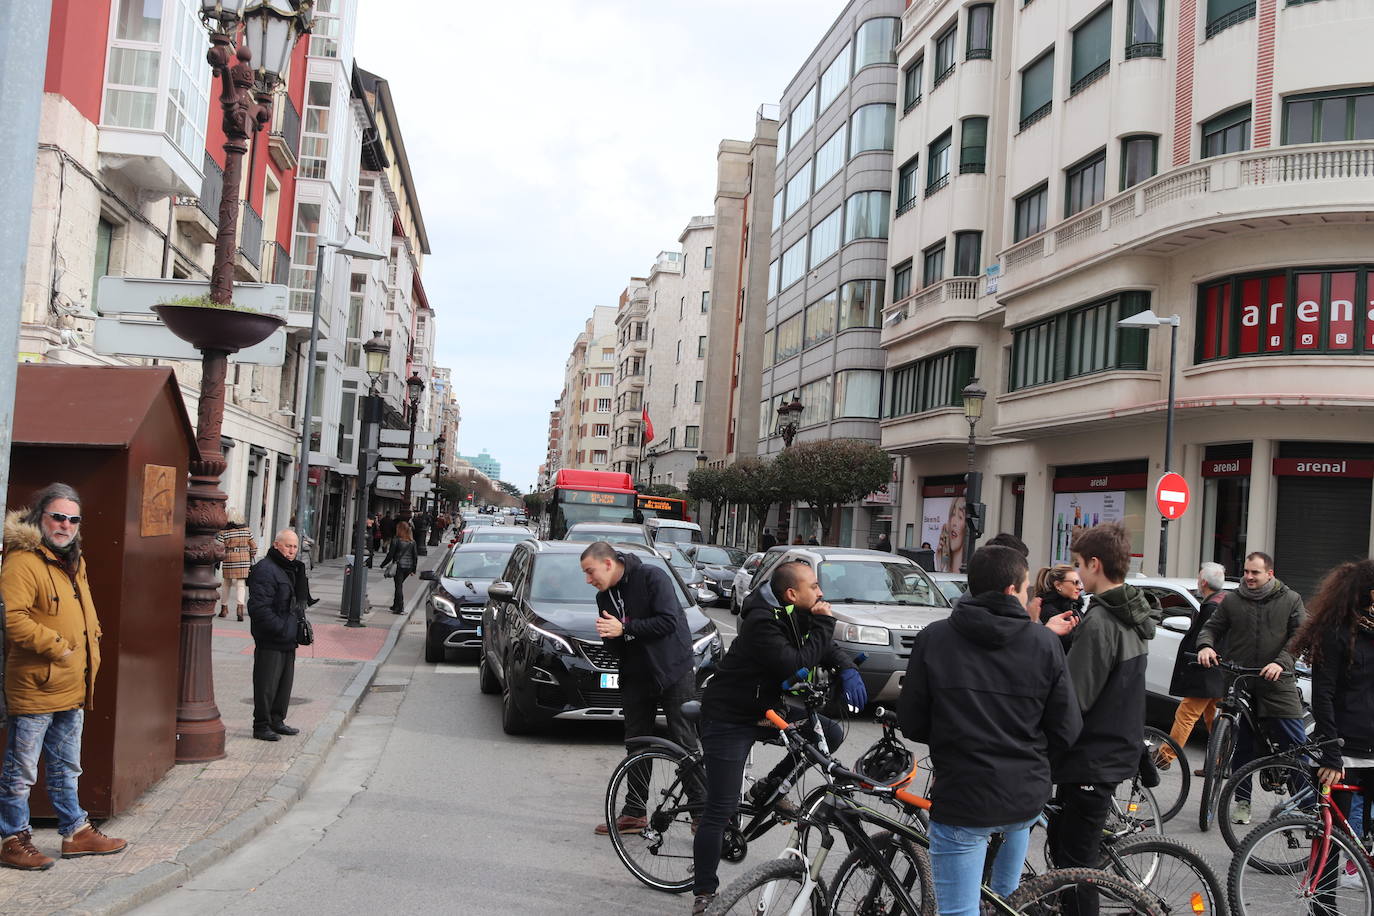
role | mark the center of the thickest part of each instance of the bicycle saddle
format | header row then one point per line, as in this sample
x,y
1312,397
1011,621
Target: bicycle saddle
x,y
691,710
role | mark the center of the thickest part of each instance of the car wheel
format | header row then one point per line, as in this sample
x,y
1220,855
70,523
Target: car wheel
x,y
434,652
486,680
513,721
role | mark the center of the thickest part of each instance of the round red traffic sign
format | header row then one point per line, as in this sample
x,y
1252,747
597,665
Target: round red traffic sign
x,y
1171,495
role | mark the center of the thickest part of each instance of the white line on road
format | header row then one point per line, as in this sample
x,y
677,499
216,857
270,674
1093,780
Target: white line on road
x,y
453,669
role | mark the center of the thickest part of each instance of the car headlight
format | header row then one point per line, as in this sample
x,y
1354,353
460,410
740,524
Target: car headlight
x,y
708,641
444,606
853,632
537,633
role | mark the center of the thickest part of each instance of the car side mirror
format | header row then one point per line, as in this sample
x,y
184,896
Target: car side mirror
x,y
501,591
705,596
428,575
1177,624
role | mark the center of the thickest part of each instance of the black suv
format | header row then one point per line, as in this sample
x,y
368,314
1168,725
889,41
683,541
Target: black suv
x,y
453,611
540,649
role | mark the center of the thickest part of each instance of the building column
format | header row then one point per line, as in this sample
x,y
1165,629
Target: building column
x,y
1185,542
1264,494
1035,524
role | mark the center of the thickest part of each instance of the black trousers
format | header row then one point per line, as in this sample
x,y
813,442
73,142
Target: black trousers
x,y
273,673
1075,836
641,702
398,599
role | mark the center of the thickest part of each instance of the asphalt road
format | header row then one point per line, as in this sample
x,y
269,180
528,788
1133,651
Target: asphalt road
x,y
427,806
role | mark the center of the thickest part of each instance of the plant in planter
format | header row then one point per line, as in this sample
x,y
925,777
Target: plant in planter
x,y
210,325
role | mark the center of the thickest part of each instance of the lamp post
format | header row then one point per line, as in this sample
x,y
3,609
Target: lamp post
x,y
375,353
1148,319
973,395
415,386
789,416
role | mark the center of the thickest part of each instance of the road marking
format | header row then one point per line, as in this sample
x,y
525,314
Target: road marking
x,y
453,669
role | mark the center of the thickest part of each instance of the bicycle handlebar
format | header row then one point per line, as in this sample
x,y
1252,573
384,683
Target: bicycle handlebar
x,y
1225,666
831,767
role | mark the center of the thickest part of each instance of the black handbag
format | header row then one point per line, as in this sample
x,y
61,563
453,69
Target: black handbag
x,y
305,630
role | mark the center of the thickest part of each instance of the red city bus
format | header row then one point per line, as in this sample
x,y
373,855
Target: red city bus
x,y
588,496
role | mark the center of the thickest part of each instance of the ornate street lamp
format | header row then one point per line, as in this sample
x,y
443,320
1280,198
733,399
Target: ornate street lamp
x,y
415,386
789,416
973,394
375,355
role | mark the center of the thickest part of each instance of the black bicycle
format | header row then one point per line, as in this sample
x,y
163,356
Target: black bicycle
x,y
1281,784
1221,746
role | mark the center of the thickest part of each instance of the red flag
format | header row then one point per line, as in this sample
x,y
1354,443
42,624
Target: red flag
x,y
648,425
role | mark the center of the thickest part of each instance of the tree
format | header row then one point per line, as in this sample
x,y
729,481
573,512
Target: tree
x,y
829,474
509,489
753,483
662,489
706,484
534,504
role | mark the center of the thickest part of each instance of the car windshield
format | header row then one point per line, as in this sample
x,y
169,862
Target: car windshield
x,y
559,577
720,556
878,582
477,564
500,536
626,536
677,557
668,535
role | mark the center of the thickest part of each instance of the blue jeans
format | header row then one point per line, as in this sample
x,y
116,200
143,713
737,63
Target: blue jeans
x,y
958,856
57,737
1285,732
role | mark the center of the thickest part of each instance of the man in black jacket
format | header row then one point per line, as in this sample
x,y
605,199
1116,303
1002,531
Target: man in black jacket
x,y
1200,689
277,595
777,637
642,623
988,691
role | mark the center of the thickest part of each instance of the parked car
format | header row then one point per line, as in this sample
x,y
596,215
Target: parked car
x,y
739,586
718,565
880,602
672,531
453,609
614,532
687,571
498,534
953,584
540,649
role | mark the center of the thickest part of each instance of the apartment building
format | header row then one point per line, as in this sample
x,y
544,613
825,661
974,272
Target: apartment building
x,y
1210,160
632,356
830,215
588,394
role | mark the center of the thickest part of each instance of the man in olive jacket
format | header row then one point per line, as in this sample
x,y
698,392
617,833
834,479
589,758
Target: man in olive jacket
x,y
51,664
1257,622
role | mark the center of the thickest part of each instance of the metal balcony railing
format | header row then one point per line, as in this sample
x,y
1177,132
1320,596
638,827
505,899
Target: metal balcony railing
x,y
211,189
1092,76
1235,17
287,124
250,235
1038,115
276,263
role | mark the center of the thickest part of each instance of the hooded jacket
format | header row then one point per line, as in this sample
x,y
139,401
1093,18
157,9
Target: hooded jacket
x,y
1257,631
773,643
1107,667
47,612
987,689
656,646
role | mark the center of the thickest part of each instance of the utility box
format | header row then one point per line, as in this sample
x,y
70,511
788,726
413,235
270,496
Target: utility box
x,y
122,438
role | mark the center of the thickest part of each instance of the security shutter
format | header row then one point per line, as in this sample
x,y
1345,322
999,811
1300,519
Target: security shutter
x,y
1322,521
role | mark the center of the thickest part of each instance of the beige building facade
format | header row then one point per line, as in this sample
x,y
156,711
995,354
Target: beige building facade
x,y
589,394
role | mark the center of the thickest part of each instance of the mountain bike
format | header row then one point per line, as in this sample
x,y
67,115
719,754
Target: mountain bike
x,y
1283,783
1221,745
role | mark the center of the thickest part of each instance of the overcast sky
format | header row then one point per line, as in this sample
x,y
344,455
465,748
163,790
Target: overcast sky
x,y
557,147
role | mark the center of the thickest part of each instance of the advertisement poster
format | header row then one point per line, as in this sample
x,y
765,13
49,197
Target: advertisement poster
x,y
1073,512
942,530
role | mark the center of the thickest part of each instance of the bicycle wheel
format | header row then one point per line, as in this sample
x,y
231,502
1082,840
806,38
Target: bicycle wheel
x,y
655,782
1134,809
1216,768
1048,894
774,887
1171,872
1344,886
1278,788
859,890
1175,781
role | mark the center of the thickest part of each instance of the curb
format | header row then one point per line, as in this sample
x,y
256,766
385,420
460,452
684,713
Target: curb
x,y
120,895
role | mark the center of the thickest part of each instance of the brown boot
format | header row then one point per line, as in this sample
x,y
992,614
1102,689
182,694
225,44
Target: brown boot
x,y
19,852
239,611
88,841
224,610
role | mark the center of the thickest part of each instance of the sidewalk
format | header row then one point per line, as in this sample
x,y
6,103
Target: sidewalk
x,y
198,813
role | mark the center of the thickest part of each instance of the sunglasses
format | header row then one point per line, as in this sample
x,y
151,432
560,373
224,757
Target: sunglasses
x,y
59,517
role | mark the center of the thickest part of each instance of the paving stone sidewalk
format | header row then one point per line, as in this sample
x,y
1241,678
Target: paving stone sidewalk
x,y
198,813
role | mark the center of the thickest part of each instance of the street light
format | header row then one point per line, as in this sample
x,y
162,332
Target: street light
x,y
375,354
973,396
1146,320
789,415
415,386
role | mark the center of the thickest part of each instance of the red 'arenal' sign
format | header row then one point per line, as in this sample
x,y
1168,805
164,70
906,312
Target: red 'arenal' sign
x,y
1171,495
1323,467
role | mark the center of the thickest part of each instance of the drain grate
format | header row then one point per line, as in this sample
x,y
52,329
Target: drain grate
x,y
388,688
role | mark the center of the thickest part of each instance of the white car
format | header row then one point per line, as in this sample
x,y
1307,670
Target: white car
x,y
740,589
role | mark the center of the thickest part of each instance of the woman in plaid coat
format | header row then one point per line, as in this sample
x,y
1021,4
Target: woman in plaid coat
x,y
240,551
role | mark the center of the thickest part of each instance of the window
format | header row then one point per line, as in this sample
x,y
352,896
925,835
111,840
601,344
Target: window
x,y
858,393
912,84
701,347
1030,212
820,320
798,189
829,158
834,78
973,145
944,54
1222,14
804,115
1037,90
789,340
865,215
679,352
968,254
1092,51
604,378
861,303
706,259
603,405
901,281
303,252
315,131
1084,183
930,383
131,79
937,163
777,208
1144,29
871,128
1079,342
104,241
675,395
601,429
324,31
772,279
793,263
1329,117
1299,310
1139,156
907,178
691,436
979,32
815,398
825,237
782,141
933,264
876,43
599,456
706,299
698,391
1228,132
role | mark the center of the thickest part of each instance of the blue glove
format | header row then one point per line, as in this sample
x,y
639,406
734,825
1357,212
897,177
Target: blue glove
x,y
855,694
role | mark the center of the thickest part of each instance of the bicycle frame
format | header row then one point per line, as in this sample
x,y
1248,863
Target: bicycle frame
x,y
1331,817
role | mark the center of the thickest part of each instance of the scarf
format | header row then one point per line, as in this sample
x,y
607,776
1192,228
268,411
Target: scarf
x,y
69,556
1259,594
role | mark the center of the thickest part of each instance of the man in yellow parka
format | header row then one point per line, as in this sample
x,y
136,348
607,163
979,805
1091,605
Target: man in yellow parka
x,y
50,666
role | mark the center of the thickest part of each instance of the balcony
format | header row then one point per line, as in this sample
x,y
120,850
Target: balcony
x,y
914,313
198,217
1240,192
248,263
1118,397
937,428
276,263
284,141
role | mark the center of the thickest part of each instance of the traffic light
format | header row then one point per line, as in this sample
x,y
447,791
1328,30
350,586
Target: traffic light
x,y
976,518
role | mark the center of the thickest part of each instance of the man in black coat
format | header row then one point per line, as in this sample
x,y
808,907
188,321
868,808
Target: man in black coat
x,y
642,622
988,690
277,596
1198,688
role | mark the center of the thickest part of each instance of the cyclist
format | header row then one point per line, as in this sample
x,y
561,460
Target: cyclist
x,y
988,691
785,626
1258,621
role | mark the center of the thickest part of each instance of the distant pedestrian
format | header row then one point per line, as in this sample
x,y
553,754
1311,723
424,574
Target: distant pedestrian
x,y
798,542
813,542
278,594
768,541
374,537
1200,688
51,663
240,552
388,526
419,525
404,554
883,544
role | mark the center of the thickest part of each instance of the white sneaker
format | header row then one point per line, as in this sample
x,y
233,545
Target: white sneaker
x,y
1240,812
1350,875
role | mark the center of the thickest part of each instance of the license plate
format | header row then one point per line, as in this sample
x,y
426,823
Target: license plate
x,y
479,629
610,681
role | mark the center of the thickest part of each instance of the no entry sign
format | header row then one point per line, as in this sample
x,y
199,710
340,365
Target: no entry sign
x,y
1171,495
